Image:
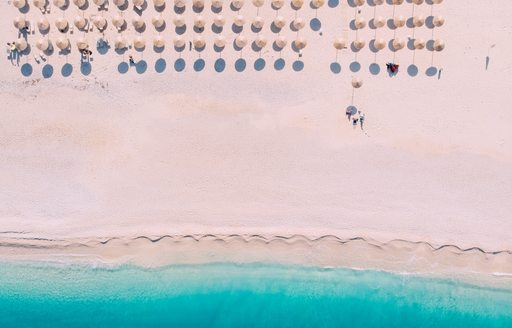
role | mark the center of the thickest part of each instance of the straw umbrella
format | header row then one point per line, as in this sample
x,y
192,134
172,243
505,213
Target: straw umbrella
x,y
19,3
317,3
61,24
199,4
198,42
159,3
82,43
43,44
438,21
217,4
237,4
120,42
397,2
359,44
300,43
159,42
378,2
100,22
21,44
220,41
379,43
359,2
199,22
379,22
138,3
279,22
180,3
158,21
438,45
219,20
258,22
339,43
277,4
19,22
138,22
360,23
258,3
419,44
43,24
399,21
39,3
139,43
298,23
297,4
178,41
260,41
281,42
120,3
80,22
357,82
398,44
62,43
80,3
239,21
179,21
118,21
59,3
99,3
240,41
418,21
417,2
436,2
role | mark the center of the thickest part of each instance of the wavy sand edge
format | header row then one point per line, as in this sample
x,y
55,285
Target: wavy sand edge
x,y
324,251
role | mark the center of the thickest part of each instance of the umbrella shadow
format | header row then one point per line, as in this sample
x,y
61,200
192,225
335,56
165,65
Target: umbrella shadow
x,y
333,3
431,71
412,70
240,65
199,65
179,10
315,24
85,68
298,65
274,28
220,65
123,67
335,67
66,70
26,69
180,29
236,29
217,29
160,65
179,65
279,64
374,68
141,66
355,66
259,64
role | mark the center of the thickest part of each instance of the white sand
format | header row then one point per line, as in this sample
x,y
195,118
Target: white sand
x,y
113,154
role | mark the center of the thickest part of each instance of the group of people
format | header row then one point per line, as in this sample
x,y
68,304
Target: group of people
x,y
392,68
86,54
357,118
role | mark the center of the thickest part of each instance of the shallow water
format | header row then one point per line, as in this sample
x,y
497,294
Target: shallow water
x,y
229,295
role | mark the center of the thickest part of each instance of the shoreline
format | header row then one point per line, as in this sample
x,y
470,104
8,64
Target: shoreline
x,y
474,265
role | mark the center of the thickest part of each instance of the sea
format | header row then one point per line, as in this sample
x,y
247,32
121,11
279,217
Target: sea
x,y
42,294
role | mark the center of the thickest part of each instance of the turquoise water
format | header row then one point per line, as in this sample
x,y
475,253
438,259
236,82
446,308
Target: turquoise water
x,y
228,295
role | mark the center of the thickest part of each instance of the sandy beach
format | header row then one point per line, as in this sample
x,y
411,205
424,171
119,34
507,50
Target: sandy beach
x,y
102,149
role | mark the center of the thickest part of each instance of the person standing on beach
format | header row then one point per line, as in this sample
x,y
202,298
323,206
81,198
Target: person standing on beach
x,y
361,119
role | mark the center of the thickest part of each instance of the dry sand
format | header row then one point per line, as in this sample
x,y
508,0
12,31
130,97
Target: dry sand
x,y
111,154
